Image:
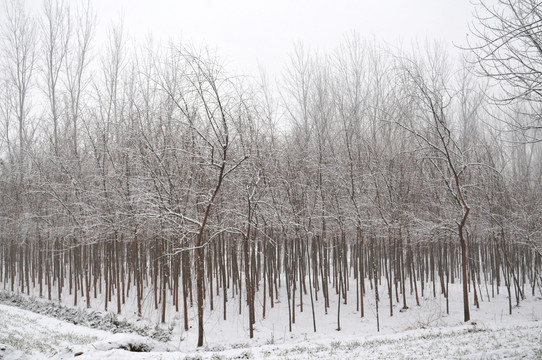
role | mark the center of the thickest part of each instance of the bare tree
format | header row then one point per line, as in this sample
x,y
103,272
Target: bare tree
x,y
433,127
507,45
19,51
76,64
55,31
207,111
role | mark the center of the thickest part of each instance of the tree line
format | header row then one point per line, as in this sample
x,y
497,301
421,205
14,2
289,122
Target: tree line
x,y
126,170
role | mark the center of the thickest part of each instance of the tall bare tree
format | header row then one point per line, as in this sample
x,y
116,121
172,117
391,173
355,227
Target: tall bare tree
x,y
507,45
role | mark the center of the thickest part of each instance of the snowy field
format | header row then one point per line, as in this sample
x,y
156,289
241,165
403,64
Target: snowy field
x,y
420,332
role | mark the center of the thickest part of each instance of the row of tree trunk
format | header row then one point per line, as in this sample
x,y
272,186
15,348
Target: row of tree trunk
x,y
307,269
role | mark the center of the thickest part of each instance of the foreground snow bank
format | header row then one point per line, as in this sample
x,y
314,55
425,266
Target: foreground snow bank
x,y
29,336
9,353
91,318
126,342
463,342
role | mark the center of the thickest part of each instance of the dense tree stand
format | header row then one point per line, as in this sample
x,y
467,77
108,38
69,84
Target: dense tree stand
x,y
149,180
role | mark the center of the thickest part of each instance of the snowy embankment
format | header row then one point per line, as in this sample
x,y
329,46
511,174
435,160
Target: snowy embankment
x,y
420,332
88,317
27,335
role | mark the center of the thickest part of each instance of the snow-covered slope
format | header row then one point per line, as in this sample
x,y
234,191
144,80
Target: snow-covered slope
x,y
26,335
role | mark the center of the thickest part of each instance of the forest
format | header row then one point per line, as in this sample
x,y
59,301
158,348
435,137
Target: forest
x,y
147,178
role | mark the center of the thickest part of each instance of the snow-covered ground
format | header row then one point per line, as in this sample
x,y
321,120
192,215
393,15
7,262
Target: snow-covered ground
x,y
420,332
40,336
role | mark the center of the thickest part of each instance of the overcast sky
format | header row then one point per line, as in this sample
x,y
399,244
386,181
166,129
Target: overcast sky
x,y
248,32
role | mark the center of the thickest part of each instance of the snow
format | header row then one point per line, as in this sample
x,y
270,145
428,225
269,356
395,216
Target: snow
x,y
9,353
123,341
108,321
424,331
36,334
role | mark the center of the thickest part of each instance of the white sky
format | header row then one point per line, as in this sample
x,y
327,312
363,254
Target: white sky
x,y
248,32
